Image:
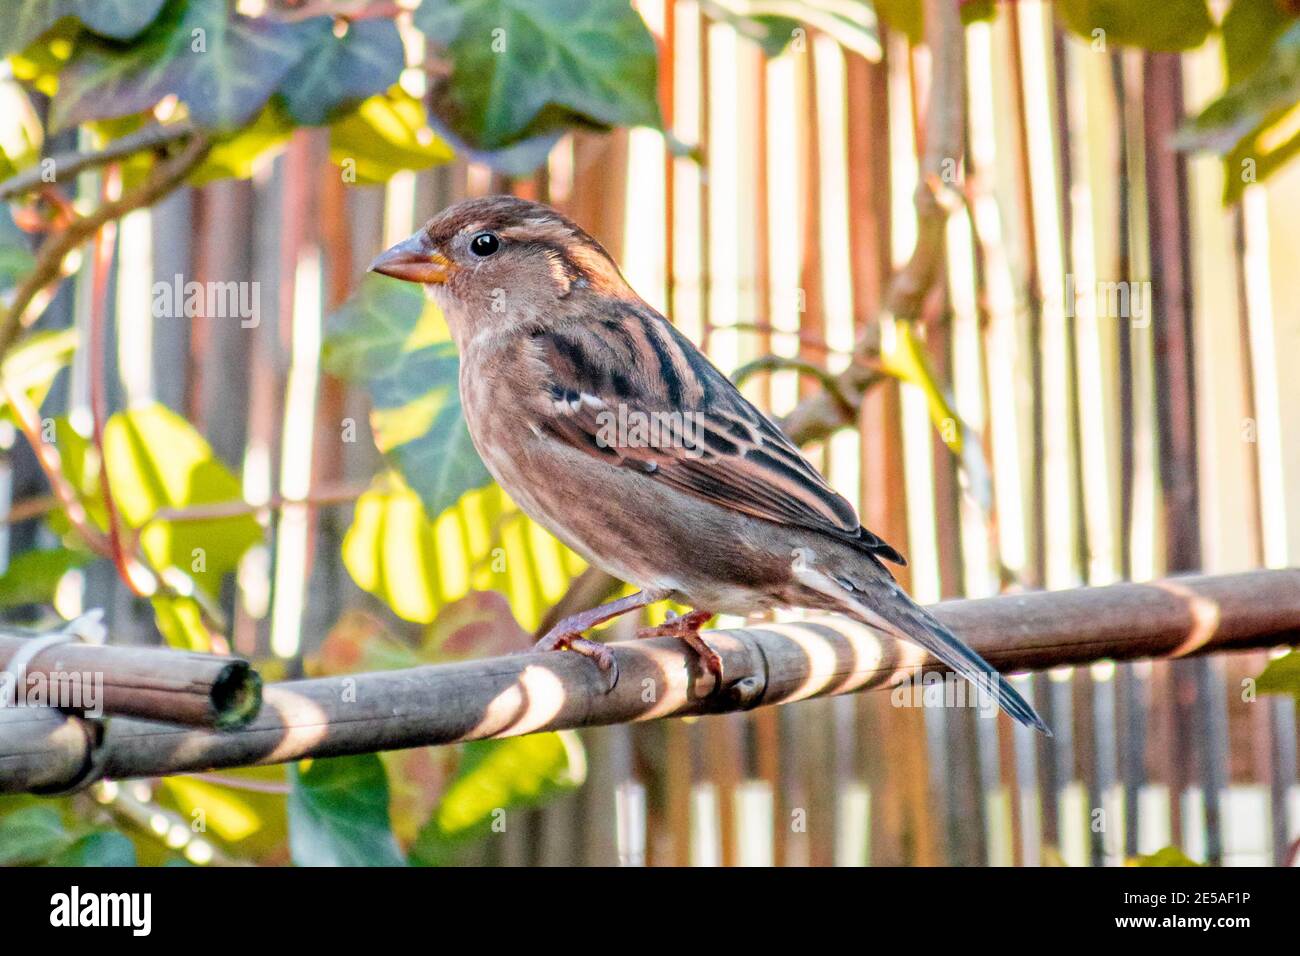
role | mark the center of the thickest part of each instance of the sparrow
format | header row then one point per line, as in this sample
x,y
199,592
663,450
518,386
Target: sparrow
x,y
608,426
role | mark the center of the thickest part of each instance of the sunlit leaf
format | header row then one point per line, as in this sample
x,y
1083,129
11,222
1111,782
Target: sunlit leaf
x,y
338,813
1172,25
157,460
495,776
239,155
385,135
222,65
226,813
1168,856
32,365
520,68
1256,122
336,72
902,357
1281,676
180,621
483,543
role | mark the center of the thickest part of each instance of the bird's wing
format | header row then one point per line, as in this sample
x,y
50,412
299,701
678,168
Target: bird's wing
x,y
635,392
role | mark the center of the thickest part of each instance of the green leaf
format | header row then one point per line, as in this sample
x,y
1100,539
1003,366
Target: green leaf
x,y
774,23
1281,676
1253,123
157,460
390,338
32,365
100,848
906,361
238,156
495,776
338,813
180,621
33,576
520,68
1249,29
1171,25
31,834
1168,856
15,258
222,65
336,72
418,567
384,135
907,16
1266,93
118,19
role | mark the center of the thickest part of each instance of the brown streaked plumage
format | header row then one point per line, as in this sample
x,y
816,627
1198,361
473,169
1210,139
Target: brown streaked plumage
x,y
605,424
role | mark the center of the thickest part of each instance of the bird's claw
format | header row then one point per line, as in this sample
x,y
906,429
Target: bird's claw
x,y
686,627
570,641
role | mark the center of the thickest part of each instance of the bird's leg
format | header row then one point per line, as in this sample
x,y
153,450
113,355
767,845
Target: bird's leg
x,y
687,628
567,634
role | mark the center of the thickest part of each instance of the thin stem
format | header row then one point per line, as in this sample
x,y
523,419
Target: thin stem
x,y
65,165
102,260
49,260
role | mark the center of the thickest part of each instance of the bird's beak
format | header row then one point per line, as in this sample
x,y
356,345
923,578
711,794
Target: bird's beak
x,y
415,260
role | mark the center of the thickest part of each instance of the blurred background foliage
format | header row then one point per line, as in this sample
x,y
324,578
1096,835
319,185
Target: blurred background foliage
x,y
215,90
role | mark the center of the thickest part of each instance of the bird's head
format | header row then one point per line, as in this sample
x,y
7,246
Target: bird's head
x,y
501,262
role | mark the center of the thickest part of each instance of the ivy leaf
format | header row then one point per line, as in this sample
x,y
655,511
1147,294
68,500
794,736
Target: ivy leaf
x,y
522,68
497,775
33,576
420,567
390,551
222,65
100,848
772,24
1169,26
1281,676
31,834
384,135
33,364
336,72
906,16
118,19
389,337
1168,856
1250,123
1249,29
157,460
239,155
338,813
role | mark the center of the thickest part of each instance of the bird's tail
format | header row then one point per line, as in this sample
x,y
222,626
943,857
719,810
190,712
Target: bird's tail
x,y
908,620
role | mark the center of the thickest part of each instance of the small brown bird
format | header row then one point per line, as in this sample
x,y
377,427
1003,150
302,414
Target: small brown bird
x,y
605,424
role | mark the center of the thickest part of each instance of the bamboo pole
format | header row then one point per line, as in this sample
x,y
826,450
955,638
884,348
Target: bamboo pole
x,y
42,750
199,690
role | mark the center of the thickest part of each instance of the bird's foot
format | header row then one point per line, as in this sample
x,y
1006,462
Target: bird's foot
x,y
560,638
686,627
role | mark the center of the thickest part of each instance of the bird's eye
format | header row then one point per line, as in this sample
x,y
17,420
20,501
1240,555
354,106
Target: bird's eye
x,y
484,244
